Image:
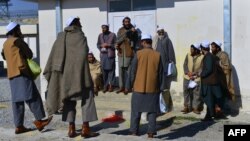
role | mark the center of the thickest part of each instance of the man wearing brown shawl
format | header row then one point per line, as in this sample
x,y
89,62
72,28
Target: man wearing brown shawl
x,y
127,37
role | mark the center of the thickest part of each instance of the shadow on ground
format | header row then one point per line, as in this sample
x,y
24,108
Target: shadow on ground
x,y
143,127
186,131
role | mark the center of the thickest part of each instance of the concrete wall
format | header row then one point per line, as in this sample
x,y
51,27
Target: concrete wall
x,y
241,50
47,33
189,22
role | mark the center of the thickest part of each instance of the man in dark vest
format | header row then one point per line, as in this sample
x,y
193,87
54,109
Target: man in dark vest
x,y
106,45
211,90
145,78
23,89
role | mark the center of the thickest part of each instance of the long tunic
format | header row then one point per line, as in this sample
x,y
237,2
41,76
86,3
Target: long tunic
x,y
211,91
107,62
227,69
16,51
145,99
192,98
126,41
95,71
165,47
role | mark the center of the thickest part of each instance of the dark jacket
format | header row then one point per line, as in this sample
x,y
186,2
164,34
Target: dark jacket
x,y
210,70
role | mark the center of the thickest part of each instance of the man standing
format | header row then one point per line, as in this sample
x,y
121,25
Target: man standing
x,y
127,37
69,79
164,46
226,66
95,71
23,89
145,78
211,91
106,45
191,85
226,76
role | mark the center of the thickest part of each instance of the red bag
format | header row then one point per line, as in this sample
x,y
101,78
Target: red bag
x,y
113,118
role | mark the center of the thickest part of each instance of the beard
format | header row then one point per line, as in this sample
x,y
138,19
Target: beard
x,y
161,37
214,52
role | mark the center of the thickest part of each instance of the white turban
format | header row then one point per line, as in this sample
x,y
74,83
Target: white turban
x,y
70,20
196,45
205,44
11,26
146,36
217,42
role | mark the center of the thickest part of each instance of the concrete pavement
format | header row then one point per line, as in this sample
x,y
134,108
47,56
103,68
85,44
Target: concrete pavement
x,y
171,126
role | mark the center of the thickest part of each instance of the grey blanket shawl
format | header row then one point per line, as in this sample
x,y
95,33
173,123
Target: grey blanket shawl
x,y
67,68
165,47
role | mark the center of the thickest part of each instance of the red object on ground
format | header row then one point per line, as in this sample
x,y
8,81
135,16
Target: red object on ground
x,y
113,118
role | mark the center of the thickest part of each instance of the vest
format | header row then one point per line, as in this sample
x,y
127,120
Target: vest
x,y
147,74
194,65
16,64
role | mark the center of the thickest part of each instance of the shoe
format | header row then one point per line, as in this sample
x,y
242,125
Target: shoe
x,y
105,89
220,116
185,110
86,133
197,112
72,131
207,119
126,91
120,90
133,134
22,129
110,88
40,124
150,135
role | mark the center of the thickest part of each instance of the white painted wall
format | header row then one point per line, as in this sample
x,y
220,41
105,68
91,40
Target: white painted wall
x,y
240,47
47,35
189,22
186,21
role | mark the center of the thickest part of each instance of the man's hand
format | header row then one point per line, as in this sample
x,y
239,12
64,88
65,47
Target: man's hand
x,y
117,46
190,74
133,29
105,45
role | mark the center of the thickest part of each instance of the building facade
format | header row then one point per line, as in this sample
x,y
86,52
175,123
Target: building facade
x,y
186,21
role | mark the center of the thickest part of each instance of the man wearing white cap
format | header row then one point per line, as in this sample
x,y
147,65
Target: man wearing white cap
x,y
68,75
106,45
226,65
211,90
125,44
226,78
164,46
145,77
23,89
192,67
